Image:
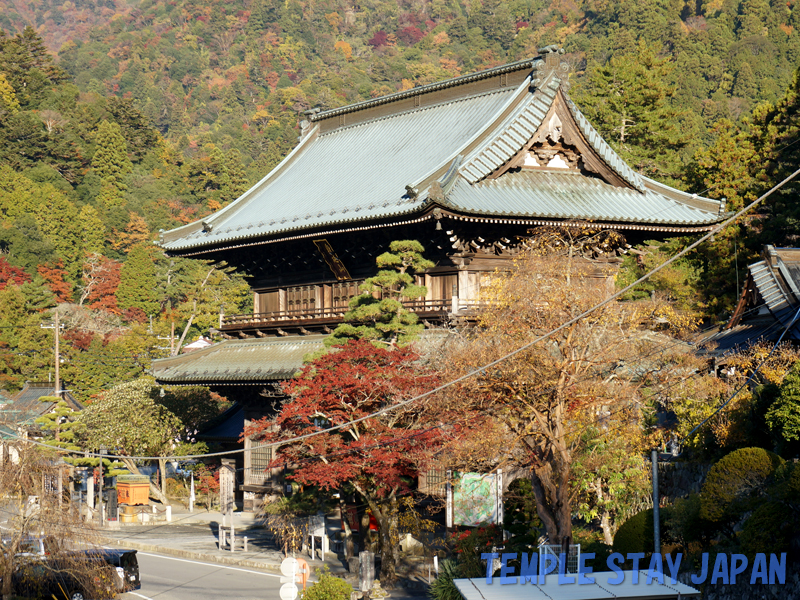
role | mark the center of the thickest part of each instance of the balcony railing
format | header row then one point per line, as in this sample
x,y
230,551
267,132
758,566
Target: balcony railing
x,y
332,313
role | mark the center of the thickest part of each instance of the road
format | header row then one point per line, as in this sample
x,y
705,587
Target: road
x,y
169,578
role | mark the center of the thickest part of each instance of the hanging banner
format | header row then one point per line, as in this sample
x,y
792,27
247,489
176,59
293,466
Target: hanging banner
x,y
477,499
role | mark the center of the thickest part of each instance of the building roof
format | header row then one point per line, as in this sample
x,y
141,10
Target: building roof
x,y
444,145
572,196
768,304
238,362
24,406
259,360
477,589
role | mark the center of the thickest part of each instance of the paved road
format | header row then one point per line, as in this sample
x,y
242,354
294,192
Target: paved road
x,y
169,578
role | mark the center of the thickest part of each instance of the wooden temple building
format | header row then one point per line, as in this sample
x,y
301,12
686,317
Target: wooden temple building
x,y
469,167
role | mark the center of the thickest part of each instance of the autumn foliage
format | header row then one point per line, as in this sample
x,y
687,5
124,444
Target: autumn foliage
x,y
54,275
11,274
373,455
352,382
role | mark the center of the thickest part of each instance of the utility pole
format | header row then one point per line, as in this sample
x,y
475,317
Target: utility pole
x,y
56,326
58,359
656,516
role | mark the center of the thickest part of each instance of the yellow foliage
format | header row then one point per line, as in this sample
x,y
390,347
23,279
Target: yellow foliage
x,y
450,65
441,39
344,48
406,84
334,19
8,98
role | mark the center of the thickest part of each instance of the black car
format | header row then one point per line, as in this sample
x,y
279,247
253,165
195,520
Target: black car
x,y
124,562
67,576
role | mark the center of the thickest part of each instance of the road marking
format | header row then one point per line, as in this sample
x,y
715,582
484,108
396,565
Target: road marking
x,y
197,562
140,596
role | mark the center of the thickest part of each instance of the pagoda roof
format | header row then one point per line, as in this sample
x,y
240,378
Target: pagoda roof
x,y
453,145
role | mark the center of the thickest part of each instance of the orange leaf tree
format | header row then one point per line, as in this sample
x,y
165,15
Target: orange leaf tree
x,y
548,396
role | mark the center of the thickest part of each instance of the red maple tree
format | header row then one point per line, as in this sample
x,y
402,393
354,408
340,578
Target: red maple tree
x,y
11,274
54,275
375,456
100,283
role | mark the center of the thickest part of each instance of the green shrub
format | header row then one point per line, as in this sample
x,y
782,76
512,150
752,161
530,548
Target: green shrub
x,y
328,587
734,482
775,523
636,534
443,587
686,525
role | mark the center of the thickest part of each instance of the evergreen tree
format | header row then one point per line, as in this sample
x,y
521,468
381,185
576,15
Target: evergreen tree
x,y
783,416
110,160
627,100
775,129
137,285
745,86
378,314
725,170
24,244
8,98
93,232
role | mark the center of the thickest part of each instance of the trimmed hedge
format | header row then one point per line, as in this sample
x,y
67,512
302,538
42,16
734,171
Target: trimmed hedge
x,y
734,481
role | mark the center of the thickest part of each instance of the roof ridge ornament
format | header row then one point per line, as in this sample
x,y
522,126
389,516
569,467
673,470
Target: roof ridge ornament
x,y
551,64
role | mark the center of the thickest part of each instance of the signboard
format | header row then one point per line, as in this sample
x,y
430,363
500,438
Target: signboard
x,y
295,571
227,483
477,498
288,591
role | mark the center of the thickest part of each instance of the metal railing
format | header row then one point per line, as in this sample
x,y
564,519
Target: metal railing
x,y
573,558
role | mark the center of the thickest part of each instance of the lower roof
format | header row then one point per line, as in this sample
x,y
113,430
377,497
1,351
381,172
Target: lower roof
x,y
238,362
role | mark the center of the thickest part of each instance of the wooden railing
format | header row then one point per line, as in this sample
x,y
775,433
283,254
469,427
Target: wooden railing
x,y
332,312
258,476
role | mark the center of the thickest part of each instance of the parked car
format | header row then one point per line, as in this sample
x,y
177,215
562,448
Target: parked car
x,y
34,545
68,576
125,563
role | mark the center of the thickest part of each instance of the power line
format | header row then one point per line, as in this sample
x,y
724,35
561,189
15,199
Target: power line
x,y
479,370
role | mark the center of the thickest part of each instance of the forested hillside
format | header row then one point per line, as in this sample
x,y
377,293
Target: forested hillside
x,y
118,119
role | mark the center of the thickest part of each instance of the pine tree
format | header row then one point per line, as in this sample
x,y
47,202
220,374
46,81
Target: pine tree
x,y
745,86
775,129
137,285
110,160
378,314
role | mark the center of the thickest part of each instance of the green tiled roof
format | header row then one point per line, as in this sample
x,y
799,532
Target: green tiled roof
x,y
383,166
238,361
572,196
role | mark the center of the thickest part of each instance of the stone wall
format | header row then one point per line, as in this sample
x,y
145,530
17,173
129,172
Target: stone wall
x,y
679,479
